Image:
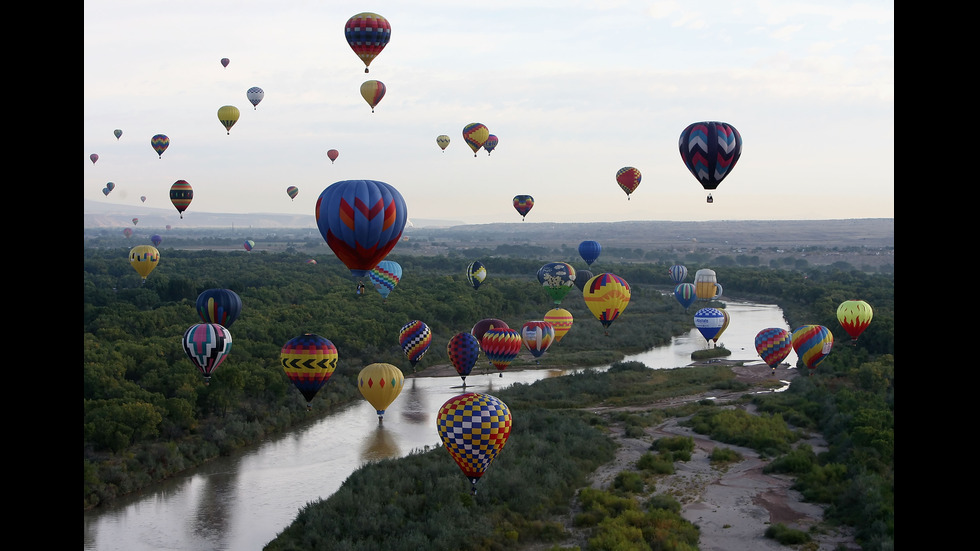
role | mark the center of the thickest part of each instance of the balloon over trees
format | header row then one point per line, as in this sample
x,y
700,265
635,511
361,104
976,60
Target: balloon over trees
x,y
367,34
854,316
558,278
255,95
582,277
677,273
705,284
463,350
220,306
361,221
474,428
156,240
537,336
181,195
562,321
372,91
442,141
481,327
724,324
708,322
812,344
144,258
710,150
628,178
475,134
491,143
523,204
160,143
128,232
228,116
94,157
501,345
475,273
292,192
773,345
606,295
332,154
308,360
589,251
415,337
207,345
385,276
380,384
248,245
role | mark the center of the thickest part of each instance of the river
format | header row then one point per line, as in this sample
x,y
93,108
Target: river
x,y
241,503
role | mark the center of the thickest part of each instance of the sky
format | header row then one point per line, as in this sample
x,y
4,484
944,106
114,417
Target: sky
x,y
574,90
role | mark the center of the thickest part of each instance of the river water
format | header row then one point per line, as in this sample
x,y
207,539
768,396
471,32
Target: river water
x,y
241,503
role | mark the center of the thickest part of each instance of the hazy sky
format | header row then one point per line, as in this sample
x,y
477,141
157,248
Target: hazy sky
x,y
574,90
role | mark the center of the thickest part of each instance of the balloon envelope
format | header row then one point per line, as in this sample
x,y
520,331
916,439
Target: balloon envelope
x,y
308,360
117,132
160,143
220,306
380,384
684,293
361,221
442,141
773,345
710,150
228,116
523,204
248,244
181,195
475,273
367,35
812,344
144,258
292,192
558,278
332,154
128,232
136,221
475,134
628,178
225,61
582,277
705,284
501,345
474,428
677,273
724,324
385,276
491,143
94,157
854,316
589,251
481,327
142,198
255,95
415,338
708,322
606,295
463,350
207,345
537,336
156,240
372,91
562,321
110,186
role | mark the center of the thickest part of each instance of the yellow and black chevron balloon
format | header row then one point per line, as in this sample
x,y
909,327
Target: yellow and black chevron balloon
x,y
474,427
309,360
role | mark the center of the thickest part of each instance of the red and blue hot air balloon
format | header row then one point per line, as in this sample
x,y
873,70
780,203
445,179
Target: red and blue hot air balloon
x,y
367,34
710,150
677,273
523,204
361,221
501,346
773,345
463,350
219,306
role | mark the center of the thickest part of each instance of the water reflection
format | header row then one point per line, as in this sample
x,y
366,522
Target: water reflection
x,y
216,496
381,445
415,408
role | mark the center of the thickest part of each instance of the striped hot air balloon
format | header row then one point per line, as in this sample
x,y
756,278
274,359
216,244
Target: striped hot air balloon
x,y
367,35
207,345
812,344
537,336
523,204
562,321
181,195
385,276
773,345
501,347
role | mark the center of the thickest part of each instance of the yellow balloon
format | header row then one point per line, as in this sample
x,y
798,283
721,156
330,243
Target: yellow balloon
x,y
372,91
228,115
144,258
442,141
706,284
561,319
606,295
380,384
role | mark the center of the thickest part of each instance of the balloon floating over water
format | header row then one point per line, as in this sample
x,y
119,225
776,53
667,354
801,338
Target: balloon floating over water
x,y
367,35
415,338
308,360
463,351
380,384
254,95
606,295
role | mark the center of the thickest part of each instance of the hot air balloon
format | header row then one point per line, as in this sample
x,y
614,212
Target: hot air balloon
x,y
481,327
442,141
332,154
144,259
308,360
181,195
156,240
160,144
812,344
854,316
724,325
292,192
361,221
207,345
110,186
475,273
475,134
474,428
708,322
367,34
136,221
463,350
501,345
372,91
523,204
248,244
491,143
537,336
582,277
128,232
117,133
105,191
773,345
142,198
385,276
558,278
710,150
677,273
628,178
684,293
169,227
225,61
705,284
562,321
606,295
311,261
589,251
220,306
255,95
228,115
415,338
94,157
380,384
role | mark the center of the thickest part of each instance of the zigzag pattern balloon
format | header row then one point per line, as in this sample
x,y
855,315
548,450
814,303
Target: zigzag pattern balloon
x,y
710,150
607,295
501,346
474,428
523,204
415,338
562,321
207,345
308,360
773,345
812,344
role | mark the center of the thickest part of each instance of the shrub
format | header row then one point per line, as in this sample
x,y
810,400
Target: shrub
x,y
785,535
